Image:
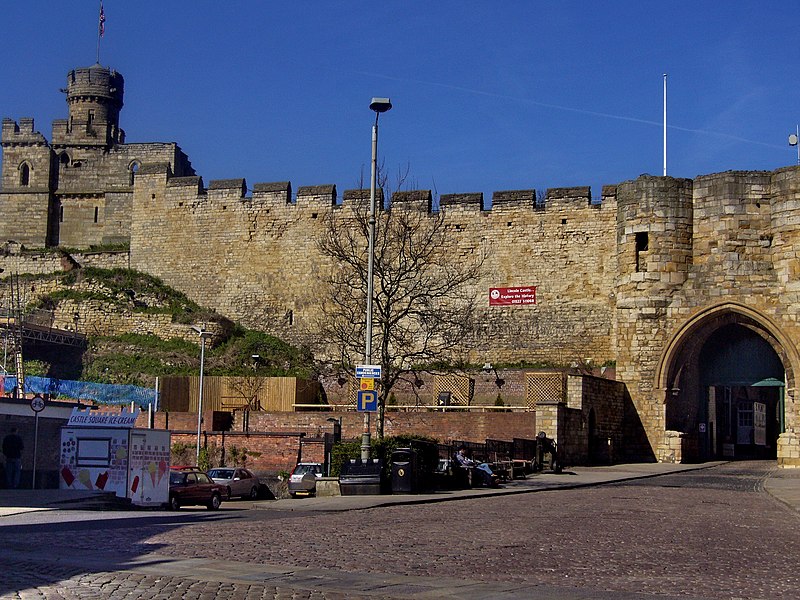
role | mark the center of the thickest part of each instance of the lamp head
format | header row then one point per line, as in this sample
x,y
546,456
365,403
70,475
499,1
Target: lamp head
x,y
487,367
380,105
202,332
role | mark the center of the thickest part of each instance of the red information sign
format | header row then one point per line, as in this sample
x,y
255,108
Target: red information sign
x,y
512,296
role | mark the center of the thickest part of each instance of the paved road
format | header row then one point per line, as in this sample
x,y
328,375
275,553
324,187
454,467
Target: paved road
x,y
712,533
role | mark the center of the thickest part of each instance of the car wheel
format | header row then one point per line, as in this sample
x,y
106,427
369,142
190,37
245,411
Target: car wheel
x,y
174,504
215,502
254,493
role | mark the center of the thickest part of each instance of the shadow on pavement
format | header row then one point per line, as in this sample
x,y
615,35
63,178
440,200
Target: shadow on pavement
x,y
86,544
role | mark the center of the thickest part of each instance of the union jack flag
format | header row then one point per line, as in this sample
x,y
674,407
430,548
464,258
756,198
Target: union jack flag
x,y
102,20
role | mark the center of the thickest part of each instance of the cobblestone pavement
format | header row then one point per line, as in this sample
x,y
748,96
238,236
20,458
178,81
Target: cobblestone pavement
x,y
705,534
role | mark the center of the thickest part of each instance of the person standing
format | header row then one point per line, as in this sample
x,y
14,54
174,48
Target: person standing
x,y
12,449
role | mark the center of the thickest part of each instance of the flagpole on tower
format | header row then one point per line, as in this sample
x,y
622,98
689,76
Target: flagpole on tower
x,y
101,29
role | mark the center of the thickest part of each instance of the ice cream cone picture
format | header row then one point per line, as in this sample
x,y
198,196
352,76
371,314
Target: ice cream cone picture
x,y
85,478
162,469
151,468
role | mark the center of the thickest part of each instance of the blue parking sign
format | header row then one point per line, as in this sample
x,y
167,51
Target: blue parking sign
x,y
367,401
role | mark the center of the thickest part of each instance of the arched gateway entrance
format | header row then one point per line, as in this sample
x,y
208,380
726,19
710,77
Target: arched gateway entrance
x,y
723,378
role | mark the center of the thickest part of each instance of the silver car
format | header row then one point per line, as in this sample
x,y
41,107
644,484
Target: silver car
x,y
238,481
303,480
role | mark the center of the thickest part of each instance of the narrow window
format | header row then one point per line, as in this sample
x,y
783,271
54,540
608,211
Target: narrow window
x,y
24,174
96,213
61,214
132,170
642,246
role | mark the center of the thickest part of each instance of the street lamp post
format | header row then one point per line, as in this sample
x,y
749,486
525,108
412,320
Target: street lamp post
x,y
379,105
201,331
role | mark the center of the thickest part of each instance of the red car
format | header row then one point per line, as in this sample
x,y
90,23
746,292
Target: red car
x,y
188,487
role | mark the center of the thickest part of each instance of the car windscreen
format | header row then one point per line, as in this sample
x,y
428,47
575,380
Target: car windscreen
x,y
221,473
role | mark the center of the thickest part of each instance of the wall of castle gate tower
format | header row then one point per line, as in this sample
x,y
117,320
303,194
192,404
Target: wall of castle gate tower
x,y
255,258
723,239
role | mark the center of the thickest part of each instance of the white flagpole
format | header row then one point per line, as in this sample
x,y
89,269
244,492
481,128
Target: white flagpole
x,y
665,124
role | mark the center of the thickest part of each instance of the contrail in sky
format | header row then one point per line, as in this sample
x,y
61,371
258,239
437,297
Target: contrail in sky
x,y
582,111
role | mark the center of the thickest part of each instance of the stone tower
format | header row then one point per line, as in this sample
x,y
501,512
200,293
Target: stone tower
x,y
77,189
654,256
94,97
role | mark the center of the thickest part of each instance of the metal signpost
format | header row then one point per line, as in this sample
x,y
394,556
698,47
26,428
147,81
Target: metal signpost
x,y
37,406
367,396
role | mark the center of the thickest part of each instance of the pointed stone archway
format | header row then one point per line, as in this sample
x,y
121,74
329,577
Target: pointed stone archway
x,y
711,382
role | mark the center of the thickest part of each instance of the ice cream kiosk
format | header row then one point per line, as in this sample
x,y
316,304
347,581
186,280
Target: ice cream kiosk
x,y
102,451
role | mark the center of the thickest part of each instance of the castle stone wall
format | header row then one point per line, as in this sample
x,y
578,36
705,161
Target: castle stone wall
x,y
643,278
255,259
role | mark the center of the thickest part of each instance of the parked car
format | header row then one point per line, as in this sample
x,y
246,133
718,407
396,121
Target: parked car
x,y
303,479
190,486
239,482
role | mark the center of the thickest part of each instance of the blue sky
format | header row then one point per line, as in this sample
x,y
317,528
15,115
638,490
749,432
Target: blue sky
x,y
487,95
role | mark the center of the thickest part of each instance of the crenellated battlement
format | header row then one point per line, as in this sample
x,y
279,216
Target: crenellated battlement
x,y
23,132
469,201
361,197
280,194
413,200
568,197
317,196
514,199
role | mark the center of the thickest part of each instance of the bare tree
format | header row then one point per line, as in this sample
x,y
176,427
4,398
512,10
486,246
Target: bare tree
x,y
424,294
248,390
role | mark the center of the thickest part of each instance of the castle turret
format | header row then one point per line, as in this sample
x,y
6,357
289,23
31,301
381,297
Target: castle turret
x,y
654,256
654,239
94,96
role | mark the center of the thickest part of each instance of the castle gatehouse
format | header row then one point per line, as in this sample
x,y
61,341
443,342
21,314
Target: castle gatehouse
x,y
690,287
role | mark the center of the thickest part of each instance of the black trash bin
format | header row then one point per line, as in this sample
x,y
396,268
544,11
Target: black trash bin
x,y
404,471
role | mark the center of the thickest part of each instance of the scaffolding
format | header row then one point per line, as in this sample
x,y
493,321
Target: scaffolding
x,y
17,325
